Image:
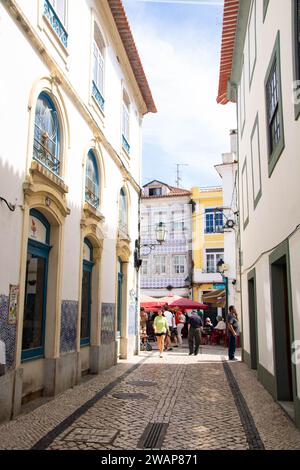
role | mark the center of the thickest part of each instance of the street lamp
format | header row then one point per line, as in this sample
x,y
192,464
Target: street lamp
x,y
221,268
160,233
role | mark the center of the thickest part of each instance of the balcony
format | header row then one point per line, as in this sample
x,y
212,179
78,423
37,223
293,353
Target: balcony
x,y
125,144
201,276
97,96
55,22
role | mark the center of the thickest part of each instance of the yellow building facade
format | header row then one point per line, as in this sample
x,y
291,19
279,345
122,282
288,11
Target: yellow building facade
x,y
208,242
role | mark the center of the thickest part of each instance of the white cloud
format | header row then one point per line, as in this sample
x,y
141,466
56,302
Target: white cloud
x,y
182,70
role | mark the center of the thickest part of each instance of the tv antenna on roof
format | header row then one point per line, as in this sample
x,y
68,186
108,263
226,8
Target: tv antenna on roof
x,y
178,173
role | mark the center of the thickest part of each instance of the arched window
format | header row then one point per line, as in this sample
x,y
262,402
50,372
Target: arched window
x,y
92,180
46,148
125,122
98,67
123,211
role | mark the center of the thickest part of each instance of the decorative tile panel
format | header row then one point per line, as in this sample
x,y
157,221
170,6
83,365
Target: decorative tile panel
x,y
108,323
68,334
7,332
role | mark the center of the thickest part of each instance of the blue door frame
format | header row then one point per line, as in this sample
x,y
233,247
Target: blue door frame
x,y
120,299
87,267
40,250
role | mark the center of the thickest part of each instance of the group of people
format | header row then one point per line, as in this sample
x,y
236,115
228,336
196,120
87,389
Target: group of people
x,y
168,324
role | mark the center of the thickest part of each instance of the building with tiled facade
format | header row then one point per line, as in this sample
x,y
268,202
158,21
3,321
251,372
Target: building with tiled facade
x,y
73,98
208,247
166,269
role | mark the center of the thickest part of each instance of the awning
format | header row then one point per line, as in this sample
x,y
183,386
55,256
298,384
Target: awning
x,y
217,297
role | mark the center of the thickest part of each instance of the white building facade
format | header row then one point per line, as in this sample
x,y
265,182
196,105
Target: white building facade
x,y
228,172
166,269
263,76
74,94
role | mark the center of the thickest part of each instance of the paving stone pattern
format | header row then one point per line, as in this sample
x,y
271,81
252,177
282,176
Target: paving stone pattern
x,y
196,403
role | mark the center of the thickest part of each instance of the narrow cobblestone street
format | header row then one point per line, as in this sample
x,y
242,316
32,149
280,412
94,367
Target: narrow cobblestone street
x,y
201,402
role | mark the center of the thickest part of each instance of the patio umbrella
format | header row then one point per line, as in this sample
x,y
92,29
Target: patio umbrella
x,y
188,304
168,299
147,301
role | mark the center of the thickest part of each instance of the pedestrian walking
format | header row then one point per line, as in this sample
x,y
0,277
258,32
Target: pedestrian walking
x,y
161,329
180,321
194,335
172,330
232,329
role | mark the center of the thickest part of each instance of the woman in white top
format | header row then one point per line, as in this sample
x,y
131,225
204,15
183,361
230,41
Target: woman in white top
x,y
221,324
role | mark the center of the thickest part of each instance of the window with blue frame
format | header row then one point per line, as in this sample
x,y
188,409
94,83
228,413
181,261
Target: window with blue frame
x,y
34,318
86,293
125,122
56,13
213,221
46,141
92,180
98,67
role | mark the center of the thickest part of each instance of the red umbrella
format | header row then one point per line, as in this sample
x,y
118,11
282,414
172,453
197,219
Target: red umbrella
x,y
188,304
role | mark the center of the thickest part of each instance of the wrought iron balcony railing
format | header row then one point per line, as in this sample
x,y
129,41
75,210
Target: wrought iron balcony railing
x,y
42,154
91,198
55,22
125,144
97,95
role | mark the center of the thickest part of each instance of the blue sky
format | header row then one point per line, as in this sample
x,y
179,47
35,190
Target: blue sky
x,y
179,45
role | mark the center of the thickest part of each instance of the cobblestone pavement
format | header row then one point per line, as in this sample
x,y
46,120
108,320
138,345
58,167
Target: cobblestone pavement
x,y
175,402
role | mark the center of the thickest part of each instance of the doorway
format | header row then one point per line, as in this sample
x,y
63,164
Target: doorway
x,y
252,309
282,330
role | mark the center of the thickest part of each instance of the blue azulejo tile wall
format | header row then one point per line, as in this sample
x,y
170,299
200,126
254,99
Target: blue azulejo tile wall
x,y
108,323
7,332
68,335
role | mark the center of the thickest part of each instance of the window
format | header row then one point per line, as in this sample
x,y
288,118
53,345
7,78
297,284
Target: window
x,y
213,221
274,108
242,101
160,265
179,264
245,199
46,147
158,217
252,42
56,12
255,158
213,256
155,191
123,212
92,180
98,67
125,122
144,267
265,7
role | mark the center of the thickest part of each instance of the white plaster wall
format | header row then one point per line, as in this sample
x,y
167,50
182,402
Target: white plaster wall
x,y
277,212
264,317
294,246
245,314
